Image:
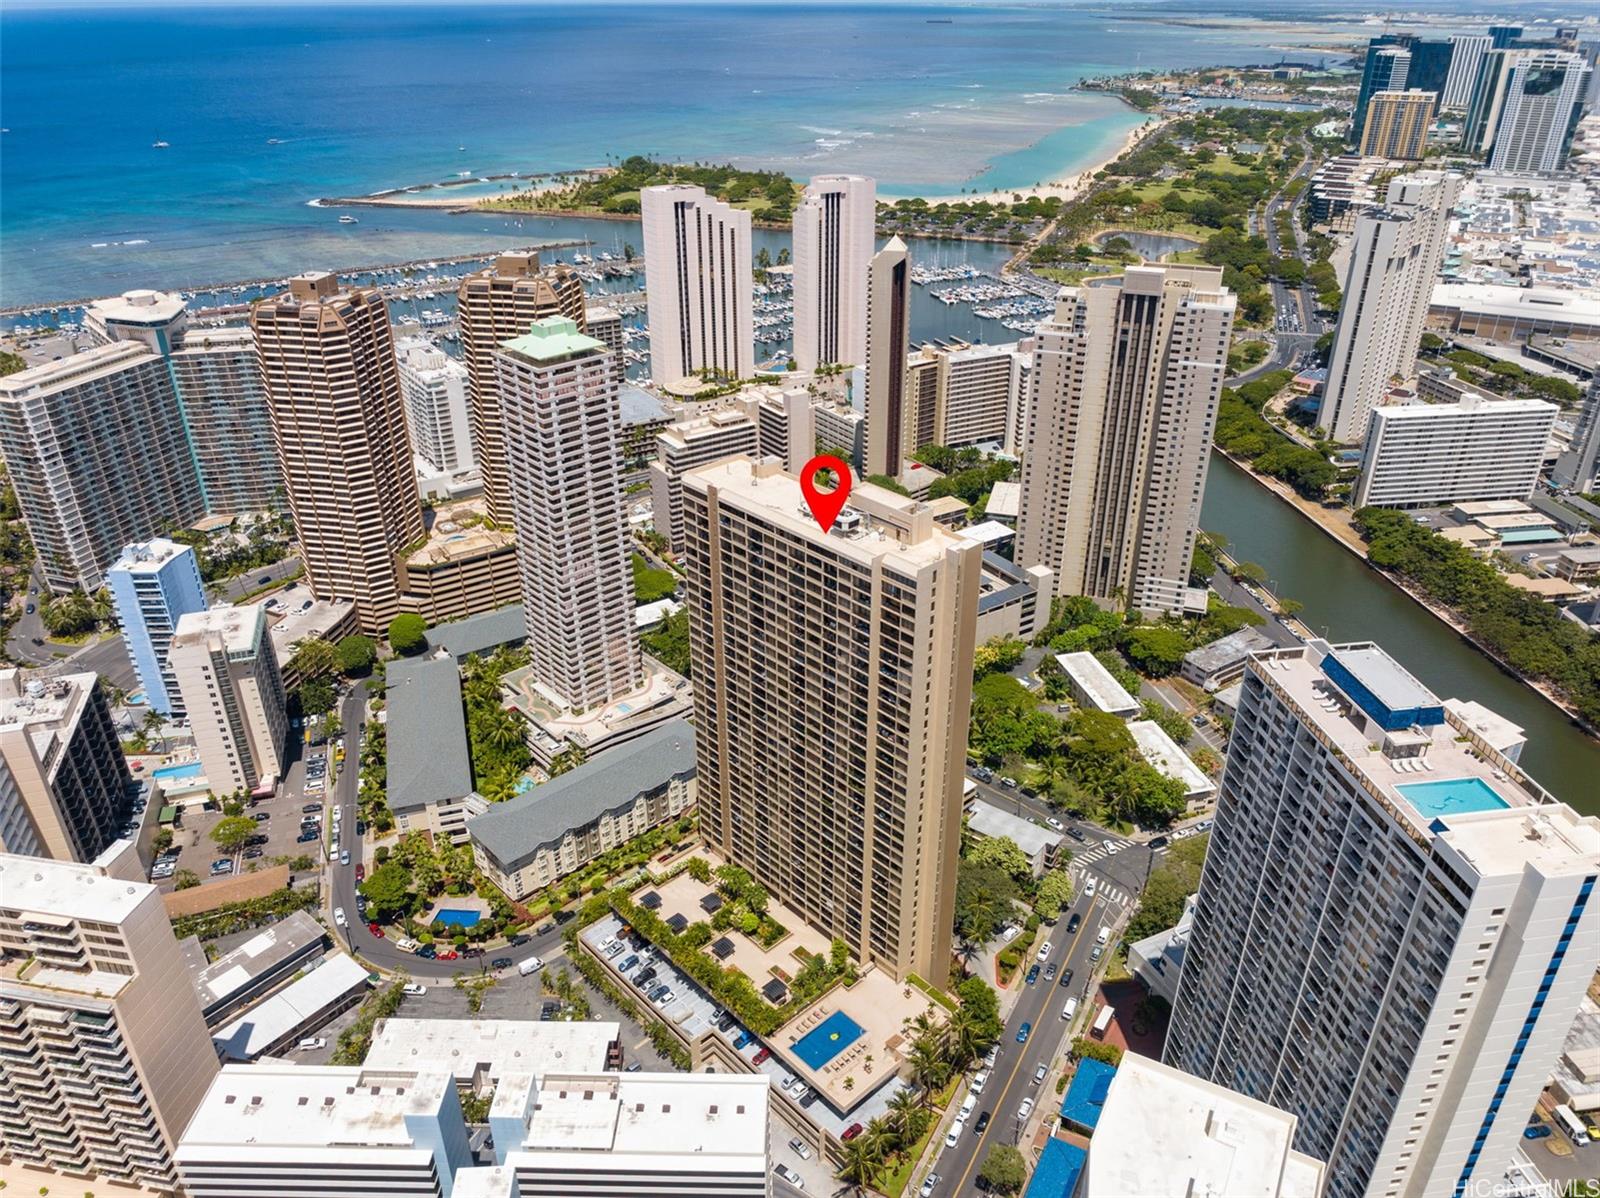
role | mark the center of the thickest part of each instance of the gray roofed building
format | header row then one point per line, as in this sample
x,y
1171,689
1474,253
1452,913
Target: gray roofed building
x,y
538,837
430,769
481,633
1038,844
1223,660
245,973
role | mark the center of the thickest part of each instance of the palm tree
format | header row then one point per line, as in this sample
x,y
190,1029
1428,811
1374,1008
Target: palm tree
x,y
927,1066
860,1163
903,1108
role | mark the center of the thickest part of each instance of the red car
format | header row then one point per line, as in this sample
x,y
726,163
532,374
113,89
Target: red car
x,y
449,956
361,873
851,1132
761,1056
375,930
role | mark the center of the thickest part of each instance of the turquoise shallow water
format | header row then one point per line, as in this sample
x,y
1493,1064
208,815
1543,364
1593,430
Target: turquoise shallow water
x,y
360,98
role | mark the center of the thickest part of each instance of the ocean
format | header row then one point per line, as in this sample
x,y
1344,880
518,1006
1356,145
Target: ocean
x,y
362,98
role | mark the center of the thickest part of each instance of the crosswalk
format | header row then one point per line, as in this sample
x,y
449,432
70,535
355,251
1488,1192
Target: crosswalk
x,y
1104,849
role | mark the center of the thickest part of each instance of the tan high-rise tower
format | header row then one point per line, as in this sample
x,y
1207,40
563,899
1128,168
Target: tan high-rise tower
x,y
338,417
106,1053
889,440
833,679
1126,380
496,304
563,423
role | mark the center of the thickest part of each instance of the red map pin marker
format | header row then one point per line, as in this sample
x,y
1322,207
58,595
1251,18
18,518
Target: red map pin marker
x,y
825,505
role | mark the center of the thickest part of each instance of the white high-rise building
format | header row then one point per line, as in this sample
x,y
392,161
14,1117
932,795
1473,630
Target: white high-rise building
x,y
1543,98
435,389
106,1055
1126,381
833,239
700,291
1419,455
1394,258
960,395
1465,59
563,430
1394,928
1579,466
888,345
227,672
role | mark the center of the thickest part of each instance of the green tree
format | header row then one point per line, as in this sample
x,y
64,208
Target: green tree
x,y
651,584
185,879
314,658
388,891
997,656
985,897
1157,649
1054,893
1171,883
1001,852
316,696
408,634
1169,721
1003,1170
232,831
356,654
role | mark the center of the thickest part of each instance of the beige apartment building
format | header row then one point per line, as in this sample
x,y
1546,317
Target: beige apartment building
x,y
888,344
833,679
338,415
496,304
563,427
106,1053
958,395
697,257
227,673
1126,380
63,779
833,239
1397,125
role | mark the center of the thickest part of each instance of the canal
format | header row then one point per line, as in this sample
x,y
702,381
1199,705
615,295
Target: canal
x,y
1345,600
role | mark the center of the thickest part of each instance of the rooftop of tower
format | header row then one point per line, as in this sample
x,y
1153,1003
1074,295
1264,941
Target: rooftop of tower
x,y
876,523
1427,764
553,339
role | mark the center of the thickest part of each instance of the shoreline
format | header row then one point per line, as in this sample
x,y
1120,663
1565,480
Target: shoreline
x,y
1443,614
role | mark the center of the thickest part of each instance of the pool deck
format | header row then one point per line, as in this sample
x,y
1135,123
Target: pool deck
x,y
881,1006
450,902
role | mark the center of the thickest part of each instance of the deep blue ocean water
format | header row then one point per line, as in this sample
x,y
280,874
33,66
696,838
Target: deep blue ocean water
x,y
364,98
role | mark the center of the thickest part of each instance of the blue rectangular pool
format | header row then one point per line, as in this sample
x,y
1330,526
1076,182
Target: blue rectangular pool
x,y
1453,796
827,1040
455,917
170,773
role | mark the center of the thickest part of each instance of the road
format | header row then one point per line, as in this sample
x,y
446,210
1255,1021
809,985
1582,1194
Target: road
x,y
1011,1079
381,952
230,590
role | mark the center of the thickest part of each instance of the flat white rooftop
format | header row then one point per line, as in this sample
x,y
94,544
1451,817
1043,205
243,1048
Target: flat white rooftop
x,y
239,627
1095,682
147,557
300,1107
1166,1134
67,890
1166,755
719,1120
290,1008
460,1047
989,820
1005,501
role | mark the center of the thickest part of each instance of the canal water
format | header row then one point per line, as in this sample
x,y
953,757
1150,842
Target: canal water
x,y
1346,600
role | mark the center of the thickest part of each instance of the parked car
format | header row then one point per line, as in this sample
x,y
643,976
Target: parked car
x,y
414,988
1044,951
1076,834
1055,823
953,1136
657,991
1160,842
531,965
1074,922
982,1125
427,952
307,837
262,817
344,857
979,1081
1066,978
1026,1109
1050,971
252,854
928,1185
361,872
1097,952
743,1038
1537,1131
306,1043
628,962
851,1132
339,917
1033,973
761,1056
501,963
1040,1074
311,808
666,999
376,930
788,1175
222,866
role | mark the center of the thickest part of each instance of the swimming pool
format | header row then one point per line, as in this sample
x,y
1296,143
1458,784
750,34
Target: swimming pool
x,y
456,917
827,1040
1452,796
166,773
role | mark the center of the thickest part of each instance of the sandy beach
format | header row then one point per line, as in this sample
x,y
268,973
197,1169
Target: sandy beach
x,y
1067,187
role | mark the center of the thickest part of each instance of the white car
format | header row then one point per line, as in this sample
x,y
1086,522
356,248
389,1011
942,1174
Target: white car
x,y
338,917
980,1081
1112,849
928,1186
1089,888
954,1136
1055,823
1010,933
800,1149
344,858
789,1175
414,988
1044,951
1026,1108
1040,1074
311,1042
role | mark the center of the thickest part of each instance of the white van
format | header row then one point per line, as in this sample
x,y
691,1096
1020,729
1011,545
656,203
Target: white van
x,y
1105,934
1069,1009
968,1105
531,965
980,1081
406,945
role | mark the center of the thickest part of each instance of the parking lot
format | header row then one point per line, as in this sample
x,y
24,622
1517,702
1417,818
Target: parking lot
x,y
279,826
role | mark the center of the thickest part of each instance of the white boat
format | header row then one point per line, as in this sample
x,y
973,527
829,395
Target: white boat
x,y
347,219
160,145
